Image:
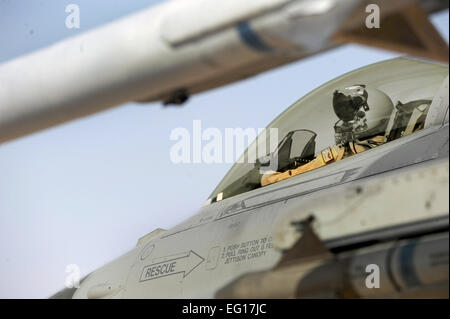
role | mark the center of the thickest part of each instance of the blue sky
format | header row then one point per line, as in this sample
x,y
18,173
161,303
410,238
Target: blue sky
x,y
84,192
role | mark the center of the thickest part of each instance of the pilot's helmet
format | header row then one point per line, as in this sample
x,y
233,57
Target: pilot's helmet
x,y
366,110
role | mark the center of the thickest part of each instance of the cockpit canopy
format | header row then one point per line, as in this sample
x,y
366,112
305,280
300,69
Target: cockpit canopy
x,y
353,113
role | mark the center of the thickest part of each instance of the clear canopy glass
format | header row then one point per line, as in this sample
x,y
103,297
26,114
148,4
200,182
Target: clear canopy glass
x,y
348,115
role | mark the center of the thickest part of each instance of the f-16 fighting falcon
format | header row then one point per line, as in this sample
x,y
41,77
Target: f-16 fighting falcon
x,y
358,177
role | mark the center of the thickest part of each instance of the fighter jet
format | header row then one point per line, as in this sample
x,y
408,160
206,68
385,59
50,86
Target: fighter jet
x,y
352,203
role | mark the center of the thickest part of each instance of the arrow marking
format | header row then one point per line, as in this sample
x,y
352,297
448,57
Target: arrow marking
x,y
179,265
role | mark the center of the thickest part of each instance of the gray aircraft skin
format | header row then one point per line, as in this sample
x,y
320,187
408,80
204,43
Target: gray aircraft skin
x,y
314,234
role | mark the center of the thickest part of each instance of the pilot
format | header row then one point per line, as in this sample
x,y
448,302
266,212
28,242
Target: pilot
x,y
364,115
367,119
